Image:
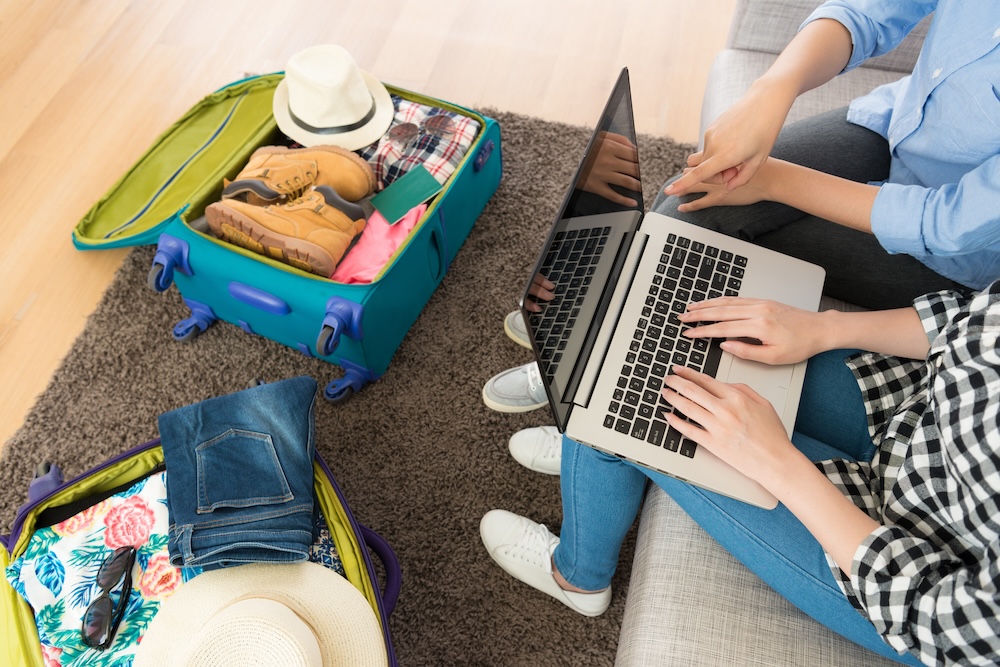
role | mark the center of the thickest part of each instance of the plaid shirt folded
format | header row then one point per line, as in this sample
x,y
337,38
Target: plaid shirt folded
x,y
439,149
928,577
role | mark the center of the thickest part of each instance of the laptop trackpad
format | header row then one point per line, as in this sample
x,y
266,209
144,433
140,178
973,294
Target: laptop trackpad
x,y
771,382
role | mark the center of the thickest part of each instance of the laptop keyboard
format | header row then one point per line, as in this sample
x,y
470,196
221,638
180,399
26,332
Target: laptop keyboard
x,y
571,265
688,271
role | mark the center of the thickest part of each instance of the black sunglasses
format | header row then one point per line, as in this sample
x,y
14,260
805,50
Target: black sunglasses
x,y
101,620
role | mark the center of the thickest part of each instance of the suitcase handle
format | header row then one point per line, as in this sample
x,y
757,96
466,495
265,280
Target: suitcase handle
x,y
393,573
437,242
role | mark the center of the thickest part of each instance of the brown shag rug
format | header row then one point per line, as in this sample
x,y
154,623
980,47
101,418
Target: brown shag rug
x,y
417,454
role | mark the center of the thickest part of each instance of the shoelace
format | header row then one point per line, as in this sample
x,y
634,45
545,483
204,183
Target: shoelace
x,y
533,546
534,377
295,190
552,448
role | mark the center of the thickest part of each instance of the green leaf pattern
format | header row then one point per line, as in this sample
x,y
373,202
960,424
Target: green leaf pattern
x,y
57,576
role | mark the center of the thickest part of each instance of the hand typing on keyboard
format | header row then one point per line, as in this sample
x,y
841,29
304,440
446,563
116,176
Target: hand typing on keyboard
x,y
730,420
786,335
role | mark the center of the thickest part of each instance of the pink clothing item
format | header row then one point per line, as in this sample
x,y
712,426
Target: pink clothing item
x,y
377,244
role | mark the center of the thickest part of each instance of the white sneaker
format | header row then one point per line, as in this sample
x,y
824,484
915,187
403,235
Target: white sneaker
x,y
538,449
516,390
513,325
524,549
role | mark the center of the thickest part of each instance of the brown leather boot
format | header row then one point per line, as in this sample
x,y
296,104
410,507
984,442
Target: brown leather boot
x,y
276,174
311,233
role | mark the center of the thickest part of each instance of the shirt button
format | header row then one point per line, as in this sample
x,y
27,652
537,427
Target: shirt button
x,y
853,466
936,73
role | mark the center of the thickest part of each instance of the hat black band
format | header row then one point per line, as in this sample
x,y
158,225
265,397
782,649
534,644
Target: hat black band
x,y
336,129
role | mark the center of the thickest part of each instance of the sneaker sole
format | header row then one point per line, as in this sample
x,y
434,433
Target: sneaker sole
x,y
234,227
513,336
501,407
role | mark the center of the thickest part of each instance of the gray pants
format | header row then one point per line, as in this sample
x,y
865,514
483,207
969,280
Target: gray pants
x,y
858,269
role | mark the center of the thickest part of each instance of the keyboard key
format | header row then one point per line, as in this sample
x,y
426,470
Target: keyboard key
x,y
657,430
740,260
609,421
639,429
672,440
688,448
622,426
627,412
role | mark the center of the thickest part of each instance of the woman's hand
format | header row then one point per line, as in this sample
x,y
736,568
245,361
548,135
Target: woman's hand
x,y
730,420
738,142
778,334
758,189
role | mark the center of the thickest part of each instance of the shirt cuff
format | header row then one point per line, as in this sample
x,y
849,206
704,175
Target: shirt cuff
x,y
897,218
885,569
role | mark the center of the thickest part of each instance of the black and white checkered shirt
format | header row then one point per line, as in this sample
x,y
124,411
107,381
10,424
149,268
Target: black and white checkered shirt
x,y
929,577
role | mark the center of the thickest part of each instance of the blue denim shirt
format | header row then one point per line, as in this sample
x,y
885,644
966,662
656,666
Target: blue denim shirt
x,y
941,203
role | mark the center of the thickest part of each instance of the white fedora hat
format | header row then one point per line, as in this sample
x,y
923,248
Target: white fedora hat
x,y
294,615
326,99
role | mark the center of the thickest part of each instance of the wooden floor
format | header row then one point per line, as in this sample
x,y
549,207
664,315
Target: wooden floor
x,y
86,86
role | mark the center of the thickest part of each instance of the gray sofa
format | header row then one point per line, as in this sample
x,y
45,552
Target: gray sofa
x,y
689,602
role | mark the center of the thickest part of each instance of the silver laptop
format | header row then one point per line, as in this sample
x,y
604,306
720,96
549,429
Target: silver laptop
x,y
607,338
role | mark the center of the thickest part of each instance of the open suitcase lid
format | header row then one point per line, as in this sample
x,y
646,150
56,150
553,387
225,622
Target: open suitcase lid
x,y
186,163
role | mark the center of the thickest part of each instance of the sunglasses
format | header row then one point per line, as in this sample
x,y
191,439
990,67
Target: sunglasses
x,y
404,135
102,618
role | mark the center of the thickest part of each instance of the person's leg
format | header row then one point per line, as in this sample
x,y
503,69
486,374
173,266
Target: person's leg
x,y
776,547
832,409
601,496
858,269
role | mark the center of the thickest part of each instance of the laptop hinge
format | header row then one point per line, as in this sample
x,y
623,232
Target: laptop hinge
x,y
614,312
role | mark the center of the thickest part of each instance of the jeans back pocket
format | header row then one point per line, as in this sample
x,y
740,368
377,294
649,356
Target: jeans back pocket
x,y
239,469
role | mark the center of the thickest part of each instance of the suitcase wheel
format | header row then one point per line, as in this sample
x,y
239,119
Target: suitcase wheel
x,y
327,341
337,393
201,318
157,279
343,317
355,378
171,254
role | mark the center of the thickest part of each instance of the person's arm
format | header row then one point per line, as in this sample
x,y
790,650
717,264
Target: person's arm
x,y
789,335
832,198
739,141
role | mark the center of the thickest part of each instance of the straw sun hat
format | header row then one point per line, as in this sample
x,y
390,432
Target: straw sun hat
x,y
326,99
291,615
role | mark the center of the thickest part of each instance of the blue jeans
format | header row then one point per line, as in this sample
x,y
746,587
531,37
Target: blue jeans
x,y
601,496
240,476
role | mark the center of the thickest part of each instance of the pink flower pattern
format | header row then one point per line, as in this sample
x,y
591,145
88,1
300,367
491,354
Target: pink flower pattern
x,y
82,520
128,524
160,579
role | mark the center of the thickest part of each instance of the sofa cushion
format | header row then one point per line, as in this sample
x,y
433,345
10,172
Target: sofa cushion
x,y
691,603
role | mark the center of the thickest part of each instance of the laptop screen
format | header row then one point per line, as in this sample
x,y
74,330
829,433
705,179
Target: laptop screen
x,y
570,287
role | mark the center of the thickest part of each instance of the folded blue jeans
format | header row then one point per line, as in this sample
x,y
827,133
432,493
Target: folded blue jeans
x,y
240,476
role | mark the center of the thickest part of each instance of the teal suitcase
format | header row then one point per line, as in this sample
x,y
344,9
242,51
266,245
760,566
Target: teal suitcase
x,y
356,326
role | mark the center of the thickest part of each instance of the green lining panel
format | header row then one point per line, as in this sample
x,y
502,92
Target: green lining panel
x,y
185,165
